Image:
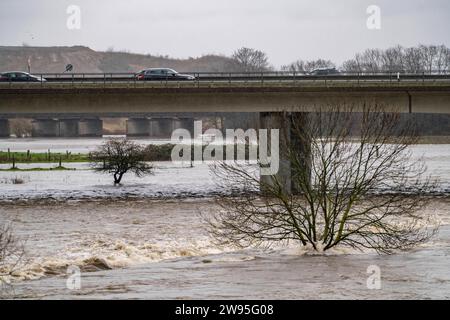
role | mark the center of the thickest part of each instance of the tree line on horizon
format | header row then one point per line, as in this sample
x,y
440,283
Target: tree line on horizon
x,y
418,59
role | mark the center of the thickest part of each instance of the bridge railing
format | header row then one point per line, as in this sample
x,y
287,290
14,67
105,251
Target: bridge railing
x,y
243,78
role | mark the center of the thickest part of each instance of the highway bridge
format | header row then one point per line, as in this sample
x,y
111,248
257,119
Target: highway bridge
x,y
74,105
65,98
249,77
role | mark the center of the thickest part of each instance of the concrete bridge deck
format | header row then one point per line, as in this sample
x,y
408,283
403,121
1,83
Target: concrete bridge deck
x,y
147,98
140,100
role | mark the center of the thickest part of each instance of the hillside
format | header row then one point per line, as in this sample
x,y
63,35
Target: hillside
x,y
84,60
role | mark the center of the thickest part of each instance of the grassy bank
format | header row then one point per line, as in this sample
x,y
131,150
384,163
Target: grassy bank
x,y
17,169
152,153
46,157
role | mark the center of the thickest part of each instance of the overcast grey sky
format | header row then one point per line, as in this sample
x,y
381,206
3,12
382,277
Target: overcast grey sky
x,y
286,29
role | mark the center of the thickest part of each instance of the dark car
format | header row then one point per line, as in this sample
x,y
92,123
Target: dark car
x,y
162,74
19,76
324,71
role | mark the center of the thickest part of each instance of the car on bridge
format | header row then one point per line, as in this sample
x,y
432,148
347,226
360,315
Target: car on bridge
x,y
19,76
324,72
163,74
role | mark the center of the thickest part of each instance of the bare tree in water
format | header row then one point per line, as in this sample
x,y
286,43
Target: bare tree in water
x,y
354,183
11,256
119,156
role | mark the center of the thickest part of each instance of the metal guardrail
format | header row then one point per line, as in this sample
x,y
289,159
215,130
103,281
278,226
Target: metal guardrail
x,y
255,78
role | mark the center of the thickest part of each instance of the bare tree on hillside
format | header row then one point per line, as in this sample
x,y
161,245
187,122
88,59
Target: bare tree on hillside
x,y
251,60
414,60
429,54
392,59
442,63
302,66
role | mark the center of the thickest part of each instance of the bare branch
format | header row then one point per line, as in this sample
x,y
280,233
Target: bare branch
x,y
356,184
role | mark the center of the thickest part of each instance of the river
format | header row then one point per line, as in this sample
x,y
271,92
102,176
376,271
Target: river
x,y
146,239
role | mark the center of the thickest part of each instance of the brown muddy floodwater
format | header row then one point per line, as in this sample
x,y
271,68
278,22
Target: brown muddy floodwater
x,y
145,239
158,249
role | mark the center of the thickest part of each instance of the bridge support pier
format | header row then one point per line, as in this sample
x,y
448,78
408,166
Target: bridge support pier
x,y
45,128
68,128
241,120
138,127
161,128
4,128
90,128
290,144
184,123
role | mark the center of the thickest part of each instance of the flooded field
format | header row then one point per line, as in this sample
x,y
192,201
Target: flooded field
x,y
168,180
146,239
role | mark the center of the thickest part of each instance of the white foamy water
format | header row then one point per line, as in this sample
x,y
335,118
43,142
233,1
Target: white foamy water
x,y
159,249
105,235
